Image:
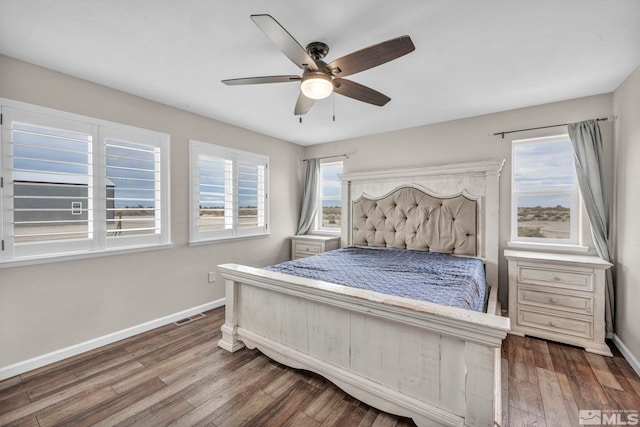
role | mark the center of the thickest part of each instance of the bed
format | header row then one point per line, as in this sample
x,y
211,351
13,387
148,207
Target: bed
x,y
437,364
420,275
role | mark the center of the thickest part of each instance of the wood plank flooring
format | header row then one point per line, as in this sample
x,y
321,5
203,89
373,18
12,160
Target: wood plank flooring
x,y
176,375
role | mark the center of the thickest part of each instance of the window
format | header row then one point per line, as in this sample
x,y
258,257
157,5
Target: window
x,y
330,195
73,184
228,193
544,191
134,187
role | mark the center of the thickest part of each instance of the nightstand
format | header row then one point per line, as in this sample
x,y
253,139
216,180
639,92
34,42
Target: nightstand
x,y
558,297
309,244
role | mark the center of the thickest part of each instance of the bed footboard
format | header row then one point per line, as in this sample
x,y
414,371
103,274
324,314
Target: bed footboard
x,y
434,364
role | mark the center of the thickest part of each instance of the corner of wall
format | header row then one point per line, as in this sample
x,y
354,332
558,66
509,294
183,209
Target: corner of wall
x,y
626,106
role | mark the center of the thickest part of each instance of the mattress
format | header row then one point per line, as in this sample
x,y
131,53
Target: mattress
x,y
427,276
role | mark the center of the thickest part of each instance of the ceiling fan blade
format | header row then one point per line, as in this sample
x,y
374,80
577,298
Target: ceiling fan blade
x,y
260,80
285,41
303,105
361,93
372,56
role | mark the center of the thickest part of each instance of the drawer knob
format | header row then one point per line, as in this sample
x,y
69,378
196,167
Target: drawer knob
x,y
555,278
551,323
553,300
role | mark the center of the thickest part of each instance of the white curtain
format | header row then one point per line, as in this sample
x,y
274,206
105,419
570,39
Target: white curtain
x,y
587,148
309,197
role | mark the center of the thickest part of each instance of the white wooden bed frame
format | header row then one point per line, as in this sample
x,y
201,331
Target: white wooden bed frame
x,y
435,364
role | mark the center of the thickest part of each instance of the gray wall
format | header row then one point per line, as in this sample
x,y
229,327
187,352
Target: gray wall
x,y
626,104
48,307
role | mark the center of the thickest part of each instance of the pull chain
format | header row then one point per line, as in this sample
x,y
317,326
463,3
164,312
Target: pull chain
x,y
333,96
334,106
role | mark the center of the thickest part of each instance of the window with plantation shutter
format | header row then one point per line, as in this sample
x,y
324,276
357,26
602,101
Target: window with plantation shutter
x,y
251,195
52,184
228,193
75,185
215,201
133,189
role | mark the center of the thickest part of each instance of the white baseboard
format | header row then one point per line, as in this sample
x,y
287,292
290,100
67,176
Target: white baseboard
x,y
55,356
631,358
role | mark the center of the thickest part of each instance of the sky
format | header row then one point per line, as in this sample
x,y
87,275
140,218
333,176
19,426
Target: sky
x,y
331,185
58,156
543,167
212,182
538,166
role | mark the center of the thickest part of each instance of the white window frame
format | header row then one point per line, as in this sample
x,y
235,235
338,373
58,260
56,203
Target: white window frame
x,y
570,244
232,231
97,243
319,229
160,142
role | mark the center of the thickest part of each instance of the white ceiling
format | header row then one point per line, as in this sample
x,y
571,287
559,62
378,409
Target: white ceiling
x,y
472,57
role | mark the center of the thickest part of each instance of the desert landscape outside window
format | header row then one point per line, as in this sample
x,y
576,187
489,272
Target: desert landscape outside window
x,y
330,197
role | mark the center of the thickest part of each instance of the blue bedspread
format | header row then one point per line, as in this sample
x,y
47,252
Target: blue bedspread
x,y
427,276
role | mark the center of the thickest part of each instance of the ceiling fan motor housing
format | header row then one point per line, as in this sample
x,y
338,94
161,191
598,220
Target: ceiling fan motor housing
x,y
317,50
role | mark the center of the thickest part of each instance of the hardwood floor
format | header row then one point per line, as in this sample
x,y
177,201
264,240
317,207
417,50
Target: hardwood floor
x,y
176,375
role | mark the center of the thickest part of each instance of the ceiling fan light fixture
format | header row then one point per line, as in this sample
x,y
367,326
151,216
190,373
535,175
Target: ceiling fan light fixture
x,y
316,85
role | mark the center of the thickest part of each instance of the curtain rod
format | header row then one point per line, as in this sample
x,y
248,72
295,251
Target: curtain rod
x,y
328,157
503,133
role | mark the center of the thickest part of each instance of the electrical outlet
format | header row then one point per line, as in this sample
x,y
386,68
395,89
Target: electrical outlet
x,y
212,276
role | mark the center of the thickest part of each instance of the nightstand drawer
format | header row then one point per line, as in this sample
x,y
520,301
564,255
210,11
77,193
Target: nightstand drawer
x,y
556,324
579,279
571,303
308,249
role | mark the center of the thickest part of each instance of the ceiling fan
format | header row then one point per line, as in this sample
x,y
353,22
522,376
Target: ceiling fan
x,y
319,79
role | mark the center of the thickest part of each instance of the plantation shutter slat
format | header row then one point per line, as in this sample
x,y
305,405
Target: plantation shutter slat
x,y
251,194
215,182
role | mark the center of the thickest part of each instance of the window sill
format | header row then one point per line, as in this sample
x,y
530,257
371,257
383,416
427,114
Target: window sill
x,y
21,262
227,239
325,233
549,247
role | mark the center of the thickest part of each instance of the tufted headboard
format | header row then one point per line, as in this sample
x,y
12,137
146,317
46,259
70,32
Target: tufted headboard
x,y
448,208
410,218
